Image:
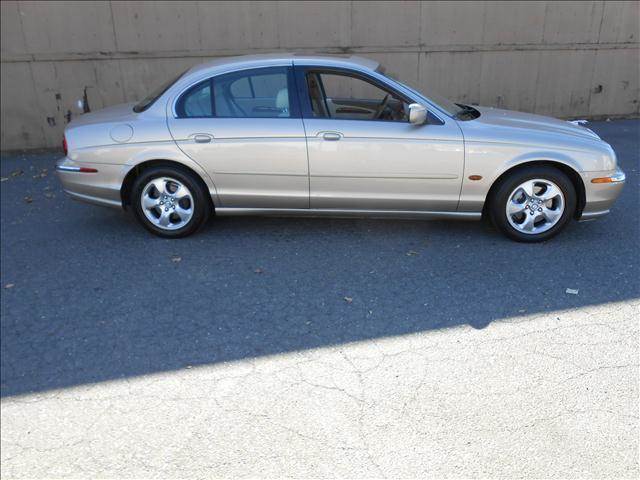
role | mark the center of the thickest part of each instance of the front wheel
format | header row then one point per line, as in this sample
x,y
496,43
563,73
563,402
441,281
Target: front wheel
x,y
170,201
533,204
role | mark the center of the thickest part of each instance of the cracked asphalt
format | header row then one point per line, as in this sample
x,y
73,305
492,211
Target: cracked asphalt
x,y
315,347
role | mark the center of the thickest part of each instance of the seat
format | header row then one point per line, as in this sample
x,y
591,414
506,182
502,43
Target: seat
x,y
315,94
282,102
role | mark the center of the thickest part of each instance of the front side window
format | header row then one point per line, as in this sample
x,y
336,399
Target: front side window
x,y
349,97
453,109
260,93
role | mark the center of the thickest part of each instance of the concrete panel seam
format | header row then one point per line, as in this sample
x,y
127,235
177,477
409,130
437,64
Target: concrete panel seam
x,y
63,57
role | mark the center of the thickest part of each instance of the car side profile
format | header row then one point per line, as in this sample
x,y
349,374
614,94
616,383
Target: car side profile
x,y
322,135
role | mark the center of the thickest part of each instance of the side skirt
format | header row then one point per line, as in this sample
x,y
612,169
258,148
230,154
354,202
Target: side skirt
x,y
330,212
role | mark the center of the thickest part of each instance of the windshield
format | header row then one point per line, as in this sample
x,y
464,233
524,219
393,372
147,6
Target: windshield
x,y
444,103
147,101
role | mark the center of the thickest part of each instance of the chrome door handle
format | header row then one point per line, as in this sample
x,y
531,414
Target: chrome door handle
x,y
202,138
332,136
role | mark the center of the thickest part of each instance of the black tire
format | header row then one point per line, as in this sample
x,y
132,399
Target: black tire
x,y
202,206
500,196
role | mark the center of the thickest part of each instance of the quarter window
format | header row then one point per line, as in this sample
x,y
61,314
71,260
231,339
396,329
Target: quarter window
x,y
196,102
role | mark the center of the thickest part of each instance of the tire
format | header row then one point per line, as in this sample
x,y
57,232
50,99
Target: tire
x,y
180,209
531,218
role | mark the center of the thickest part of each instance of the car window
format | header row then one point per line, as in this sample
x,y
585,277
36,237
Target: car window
x,y
453,109
348,97
261,93
196,102
241,88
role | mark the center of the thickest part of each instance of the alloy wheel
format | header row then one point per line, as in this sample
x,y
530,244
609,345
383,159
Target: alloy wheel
x,y
167,203
535,206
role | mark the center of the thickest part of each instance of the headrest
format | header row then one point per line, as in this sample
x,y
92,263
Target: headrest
x,y
282,100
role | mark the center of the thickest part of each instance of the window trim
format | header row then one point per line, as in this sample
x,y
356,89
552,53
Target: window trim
x,y
294,101
305,101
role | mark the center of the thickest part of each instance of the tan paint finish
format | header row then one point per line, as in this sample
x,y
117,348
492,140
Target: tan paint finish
x,y
255,162
319,166
384,165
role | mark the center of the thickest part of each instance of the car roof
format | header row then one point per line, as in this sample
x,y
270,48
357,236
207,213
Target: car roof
x,y
270,59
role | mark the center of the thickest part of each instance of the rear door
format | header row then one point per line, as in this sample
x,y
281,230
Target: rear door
x,y
363,152
244,128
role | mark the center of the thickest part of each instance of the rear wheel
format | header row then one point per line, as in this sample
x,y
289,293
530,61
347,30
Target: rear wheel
x,y
533,204
170,201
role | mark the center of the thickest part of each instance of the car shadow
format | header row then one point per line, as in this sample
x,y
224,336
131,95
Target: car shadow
x,y
89,296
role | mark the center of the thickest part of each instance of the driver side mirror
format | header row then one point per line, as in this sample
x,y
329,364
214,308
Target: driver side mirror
x,y
417,114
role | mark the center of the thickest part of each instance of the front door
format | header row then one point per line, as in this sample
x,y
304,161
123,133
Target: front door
x,y
365,155
245,130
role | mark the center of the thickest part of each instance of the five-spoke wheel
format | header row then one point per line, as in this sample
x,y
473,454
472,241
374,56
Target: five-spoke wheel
x,y
533,203
170,201
167,203
535,206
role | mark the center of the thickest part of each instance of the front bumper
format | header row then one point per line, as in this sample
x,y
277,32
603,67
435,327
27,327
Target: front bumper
x,y
601,191
100,187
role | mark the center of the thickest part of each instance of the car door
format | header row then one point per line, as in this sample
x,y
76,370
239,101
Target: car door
x,y
363,152
244,128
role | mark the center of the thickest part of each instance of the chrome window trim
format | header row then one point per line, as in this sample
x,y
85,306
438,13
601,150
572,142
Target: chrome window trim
x,y
435,109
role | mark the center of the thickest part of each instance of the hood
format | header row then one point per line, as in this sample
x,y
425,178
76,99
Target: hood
x,y
117,113
528,121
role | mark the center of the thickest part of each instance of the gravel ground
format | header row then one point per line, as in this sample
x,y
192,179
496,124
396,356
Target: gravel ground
x,y
315,347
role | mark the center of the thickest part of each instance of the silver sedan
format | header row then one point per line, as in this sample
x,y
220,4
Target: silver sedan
x,y
310,135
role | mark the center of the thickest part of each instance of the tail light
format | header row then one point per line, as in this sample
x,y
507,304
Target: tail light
x,y
64,146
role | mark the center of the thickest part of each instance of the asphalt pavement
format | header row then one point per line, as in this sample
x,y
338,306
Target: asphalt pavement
x,y
315,347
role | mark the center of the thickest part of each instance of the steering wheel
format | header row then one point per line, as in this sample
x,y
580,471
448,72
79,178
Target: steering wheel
x,y
381,107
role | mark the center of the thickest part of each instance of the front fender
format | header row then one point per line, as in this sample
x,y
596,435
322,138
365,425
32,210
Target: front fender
x,y
490,161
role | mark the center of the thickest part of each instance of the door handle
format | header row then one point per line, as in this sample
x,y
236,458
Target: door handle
x,y
332,136
202,137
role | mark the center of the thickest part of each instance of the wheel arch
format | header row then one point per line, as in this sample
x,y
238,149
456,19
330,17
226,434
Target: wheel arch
x,y
568,170
136,170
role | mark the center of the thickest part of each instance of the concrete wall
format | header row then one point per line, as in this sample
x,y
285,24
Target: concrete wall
x,y
568,59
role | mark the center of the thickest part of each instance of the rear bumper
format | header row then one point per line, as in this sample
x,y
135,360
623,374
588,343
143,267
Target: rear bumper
x,y
599,197
100,188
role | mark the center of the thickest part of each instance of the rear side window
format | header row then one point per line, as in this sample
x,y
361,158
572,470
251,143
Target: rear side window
x,y
258,93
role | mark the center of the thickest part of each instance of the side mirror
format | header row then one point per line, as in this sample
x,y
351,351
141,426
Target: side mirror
x,y
417,114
